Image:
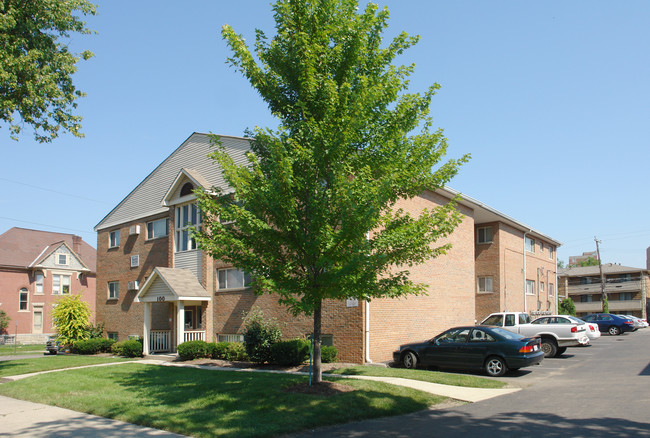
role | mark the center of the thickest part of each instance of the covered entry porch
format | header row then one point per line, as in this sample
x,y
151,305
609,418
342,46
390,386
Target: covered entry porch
x,y
185,301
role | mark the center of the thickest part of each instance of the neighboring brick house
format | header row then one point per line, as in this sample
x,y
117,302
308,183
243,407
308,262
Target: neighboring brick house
x,y
36,269
626,289
153,279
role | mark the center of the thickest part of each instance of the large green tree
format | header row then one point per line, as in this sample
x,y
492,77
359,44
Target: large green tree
x,y
313,215
36,66
71,316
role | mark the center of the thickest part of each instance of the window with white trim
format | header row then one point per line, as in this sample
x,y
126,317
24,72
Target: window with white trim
x,y
530,244
114,239
112,335
23,299
60,284
38,283
113,290
551,252
187,216
530,287
551,289
61,259
233,278
485,285
484,235
541,287
541,247
157,228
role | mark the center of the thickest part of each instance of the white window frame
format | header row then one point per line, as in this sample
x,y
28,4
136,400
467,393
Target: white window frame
x,y
530,287
488,284
151,229
551,250
114,239
478,235
20,300
541,287
182,224
541,247
57,259
530,244
223,274
57,289
135,261
39,278
113,290
112,335
551,289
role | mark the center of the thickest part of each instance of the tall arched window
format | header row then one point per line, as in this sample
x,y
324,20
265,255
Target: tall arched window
x,y
24,296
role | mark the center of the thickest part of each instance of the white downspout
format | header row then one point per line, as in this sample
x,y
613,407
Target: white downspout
x,y
525,297
368,360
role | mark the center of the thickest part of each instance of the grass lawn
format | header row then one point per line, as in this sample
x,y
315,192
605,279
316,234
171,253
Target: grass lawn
x,y
206,403
423,375
7,350
46,363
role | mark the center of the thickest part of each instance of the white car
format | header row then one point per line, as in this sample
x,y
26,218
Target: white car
x,y
638,322
593,332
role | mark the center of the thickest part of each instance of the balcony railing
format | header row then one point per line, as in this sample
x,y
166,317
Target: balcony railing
x,y
194,335
159,341
594,288
614,306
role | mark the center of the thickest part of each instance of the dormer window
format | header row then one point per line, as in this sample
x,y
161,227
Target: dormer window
x,y
61,259
187,189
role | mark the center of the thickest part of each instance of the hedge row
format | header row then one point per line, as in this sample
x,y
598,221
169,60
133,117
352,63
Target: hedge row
x,y
130,348
219,350
93,346
286,353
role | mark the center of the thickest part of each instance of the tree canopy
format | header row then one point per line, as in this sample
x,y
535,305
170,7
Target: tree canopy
x,y
71,316
313,213
36,66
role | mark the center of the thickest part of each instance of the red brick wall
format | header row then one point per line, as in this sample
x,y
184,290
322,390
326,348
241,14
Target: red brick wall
x,y
123,315
451,292
489,263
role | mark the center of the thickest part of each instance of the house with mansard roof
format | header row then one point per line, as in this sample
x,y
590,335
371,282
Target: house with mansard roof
x,y
36,269
155,282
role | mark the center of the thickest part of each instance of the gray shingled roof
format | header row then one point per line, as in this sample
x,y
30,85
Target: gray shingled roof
x,y
182,282
608,269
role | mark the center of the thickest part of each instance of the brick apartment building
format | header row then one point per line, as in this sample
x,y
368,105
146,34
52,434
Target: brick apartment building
x,y
155,282
36,269
626,289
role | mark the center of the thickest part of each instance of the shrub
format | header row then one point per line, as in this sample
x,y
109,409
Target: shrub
x,y
70,318
95,331
290,353
192,350
567,307
92,346
259,335
130,348
227,351
4,321
328,354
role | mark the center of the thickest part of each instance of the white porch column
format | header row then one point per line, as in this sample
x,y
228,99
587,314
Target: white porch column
x,y
180,323
147,328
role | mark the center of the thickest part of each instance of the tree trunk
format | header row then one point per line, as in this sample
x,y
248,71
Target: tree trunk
x,y
318,371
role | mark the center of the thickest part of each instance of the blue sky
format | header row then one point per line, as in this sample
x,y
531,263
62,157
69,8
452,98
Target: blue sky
x,y
550,98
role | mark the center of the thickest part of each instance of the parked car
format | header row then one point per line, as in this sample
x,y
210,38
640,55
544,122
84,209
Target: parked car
x,y
492,349
53,346
638,322
593,332
556,331
610,323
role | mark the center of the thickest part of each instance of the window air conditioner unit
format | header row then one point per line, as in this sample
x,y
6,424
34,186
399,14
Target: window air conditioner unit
x,y
133,285
135,229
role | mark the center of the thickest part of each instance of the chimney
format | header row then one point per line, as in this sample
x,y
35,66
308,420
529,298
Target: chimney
x,y
76,244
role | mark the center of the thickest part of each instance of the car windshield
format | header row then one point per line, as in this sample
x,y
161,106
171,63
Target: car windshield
x,y
493,320
506,334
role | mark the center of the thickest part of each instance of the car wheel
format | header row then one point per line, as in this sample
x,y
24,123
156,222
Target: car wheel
x,y
613,330
560,351
495,366
410,360
549,348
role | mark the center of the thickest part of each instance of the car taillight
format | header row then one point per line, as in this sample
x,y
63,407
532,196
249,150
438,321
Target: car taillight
x,y
527,349
628,322
574,329
592,328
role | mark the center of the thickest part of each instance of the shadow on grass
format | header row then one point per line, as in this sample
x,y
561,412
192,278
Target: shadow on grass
x,y
206,403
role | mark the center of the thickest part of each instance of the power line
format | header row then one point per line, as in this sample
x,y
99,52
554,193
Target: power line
x,y
54,191
47,225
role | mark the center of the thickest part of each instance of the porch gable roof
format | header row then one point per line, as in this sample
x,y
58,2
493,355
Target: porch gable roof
x,y
173,284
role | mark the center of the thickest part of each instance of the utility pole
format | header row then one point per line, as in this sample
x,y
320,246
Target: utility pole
x,y
603,294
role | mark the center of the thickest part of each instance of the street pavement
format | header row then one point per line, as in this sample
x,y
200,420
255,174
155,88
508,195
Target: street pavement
x,y
598,391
